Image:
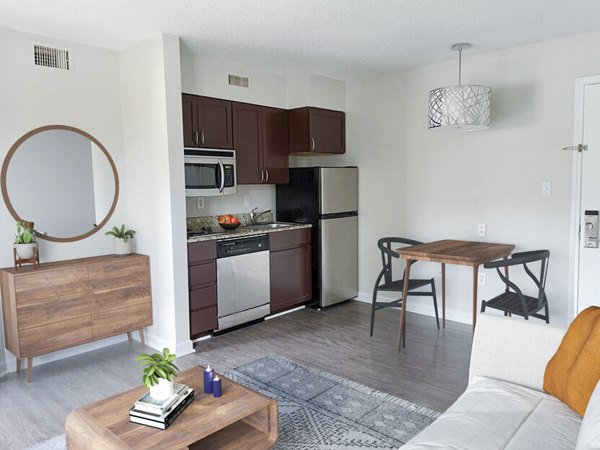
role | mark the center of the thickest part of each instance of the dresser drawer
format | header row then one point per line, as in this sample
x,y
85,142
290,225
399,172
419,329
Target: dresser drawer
x,y
55,336
46,311
121,297
121,320
203,274
203,297
49,284
125,271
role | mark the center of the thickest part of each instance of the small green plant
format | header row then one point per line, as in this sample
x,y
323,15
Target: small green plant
x,y
25,235
120,233
158,365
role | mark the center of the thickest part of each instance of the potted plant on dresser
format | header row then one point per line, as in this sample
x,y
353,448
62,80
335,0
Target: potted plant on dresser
x,y
158,373
24,241
122,240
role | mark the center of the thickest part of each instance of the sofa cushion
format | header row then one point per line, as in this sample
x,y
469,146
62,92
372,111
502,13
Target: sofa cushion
x,y
589,434
572,373
494,414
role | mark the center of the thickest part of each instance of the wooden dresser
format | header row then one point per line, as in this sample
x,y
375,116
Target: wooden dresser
x,y
66,303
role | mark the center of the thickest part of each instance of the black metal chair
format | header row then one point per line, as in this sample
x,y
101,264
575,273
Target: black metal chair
x,y
390,285
514,301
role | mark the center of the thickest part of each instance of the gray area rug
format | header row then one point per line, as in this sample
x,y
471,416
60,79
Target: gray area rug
x,y
321,411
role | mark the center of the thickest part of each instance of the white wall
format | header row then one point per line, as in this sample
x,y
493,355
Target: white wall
x,y
202,75
309,89
428,185
259,196
153,179
86,97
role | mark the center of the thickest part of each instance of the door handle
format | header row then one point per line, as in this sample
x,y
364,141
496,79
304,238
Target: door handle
x,y
267,172
222,177
262,175
202,137
196,140
312,140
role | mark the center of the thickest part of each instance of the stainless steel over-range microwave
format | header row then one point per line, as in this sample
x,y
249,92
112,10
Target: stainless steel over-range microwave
x,y
209,172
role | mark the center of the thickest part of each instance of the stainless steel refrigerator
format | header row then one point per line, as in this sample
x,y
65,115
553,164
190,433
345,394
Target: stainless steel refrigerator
x,y
327,198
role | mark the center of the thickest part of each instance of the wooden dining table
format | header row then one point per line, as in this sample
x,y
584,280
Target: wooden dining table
x,y
448,251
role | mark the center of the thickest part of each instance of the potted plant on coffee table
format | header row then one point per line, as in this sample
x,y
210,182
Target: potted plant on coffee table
x,y
122,240
158,373
24,241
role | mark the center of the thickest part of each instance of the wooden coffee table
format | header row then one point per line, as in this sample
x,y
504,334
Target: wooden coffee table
x,y
240,419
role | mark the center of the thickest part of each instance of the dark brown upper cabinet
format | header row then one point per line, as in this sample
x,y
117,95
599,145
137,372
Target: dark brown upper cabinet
x,y
316,130
207,122
260,136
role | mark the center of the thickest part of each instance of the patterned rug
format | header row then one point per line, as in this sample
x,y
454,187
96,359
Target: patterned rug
x,y
321,411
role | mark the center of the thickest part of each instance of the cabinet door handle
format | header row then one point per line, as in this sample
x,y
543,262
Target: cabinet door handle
x,y
267,172
262,175
196,140
202,133
312,147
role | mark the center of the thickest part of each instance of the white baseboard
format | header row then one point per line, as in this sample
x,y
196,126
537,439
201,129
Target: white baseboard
x,y
181,348
420,307
184,348
2,368
10,363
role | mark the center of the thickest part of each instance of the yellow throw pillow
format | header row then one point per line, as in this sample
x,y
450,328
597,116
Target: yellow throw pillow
x,y
574,370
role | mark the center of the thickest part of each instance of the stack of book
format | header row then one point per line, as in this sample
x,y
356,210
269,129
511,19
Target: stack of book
x,y
161,413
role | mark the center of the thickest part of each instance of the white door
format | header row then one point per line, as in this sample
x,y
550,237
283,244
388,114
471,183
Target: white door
x,y
587,182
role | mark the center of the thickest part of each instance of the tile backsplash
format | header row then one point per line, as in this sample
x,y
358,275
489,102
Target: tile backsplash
x,y
259,196
197,223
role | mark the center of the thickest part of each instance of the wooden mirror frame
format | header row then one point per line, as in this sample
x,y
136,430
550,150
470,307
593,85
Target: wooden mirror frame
x,y
4,186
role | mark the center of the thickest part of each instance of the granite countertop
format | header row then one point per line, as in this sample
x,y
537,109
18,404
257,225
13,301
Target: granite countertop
x,y
247,231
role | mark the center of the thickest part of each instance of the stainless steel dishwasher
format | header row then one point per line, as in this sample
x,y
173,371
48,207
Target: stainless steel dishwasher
x,y
243,280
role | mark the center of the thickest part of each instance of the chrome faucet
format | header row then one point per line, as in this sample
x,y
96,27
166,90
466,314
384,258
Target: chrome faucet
x,y
254,216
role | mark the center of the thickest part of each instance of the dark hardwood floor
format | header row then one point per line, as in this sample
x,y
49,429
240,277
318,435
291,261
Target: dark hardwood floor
x,y
432,370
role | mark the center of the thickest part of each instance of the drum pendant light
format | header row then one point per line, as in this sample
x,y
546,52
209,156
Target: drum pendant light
x,y
465,107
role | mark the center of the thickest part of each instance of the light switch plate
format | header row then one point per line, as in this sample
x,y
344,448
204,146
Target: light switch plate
x,y
246,200
482,229
547,188
200,202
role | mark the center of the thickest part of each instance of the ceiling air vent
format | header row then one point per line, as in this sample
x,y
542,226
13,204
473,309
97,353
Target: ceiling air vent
x,y
55,58
238,80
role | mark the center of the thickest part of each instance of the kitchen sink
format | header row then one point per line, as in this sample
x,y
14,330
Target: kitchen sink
x,y
268,226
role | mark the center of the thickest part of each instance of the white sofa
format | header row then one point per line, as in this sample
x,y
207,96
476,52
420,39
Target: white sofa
x,y
504,405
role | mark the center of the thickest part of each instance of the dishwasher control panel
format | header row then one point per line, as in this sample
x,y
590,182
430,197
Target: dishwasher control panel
x,y
242,246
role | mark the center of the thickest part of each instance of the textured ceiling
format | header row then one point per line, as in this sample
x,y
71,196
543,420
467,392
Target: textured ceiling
x,y
340,38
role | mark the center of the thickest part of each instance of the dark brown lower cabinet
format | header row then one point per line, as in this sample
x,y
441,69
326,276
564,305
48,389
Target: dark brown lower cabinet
x,y
202,275
290,269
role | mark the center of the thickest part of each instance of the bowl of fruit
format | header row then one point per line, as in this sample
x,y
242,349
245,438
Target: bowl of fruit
x,y
228,221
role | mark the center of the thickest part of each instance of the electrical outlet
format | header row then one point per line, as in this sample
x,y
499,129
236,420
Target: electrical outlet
x,y
481,278
547,188
482,229
246,200
200,202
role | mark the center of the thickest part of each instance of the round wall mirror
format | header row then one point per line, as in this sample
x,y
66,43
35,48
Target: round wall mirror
x,y
63,180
